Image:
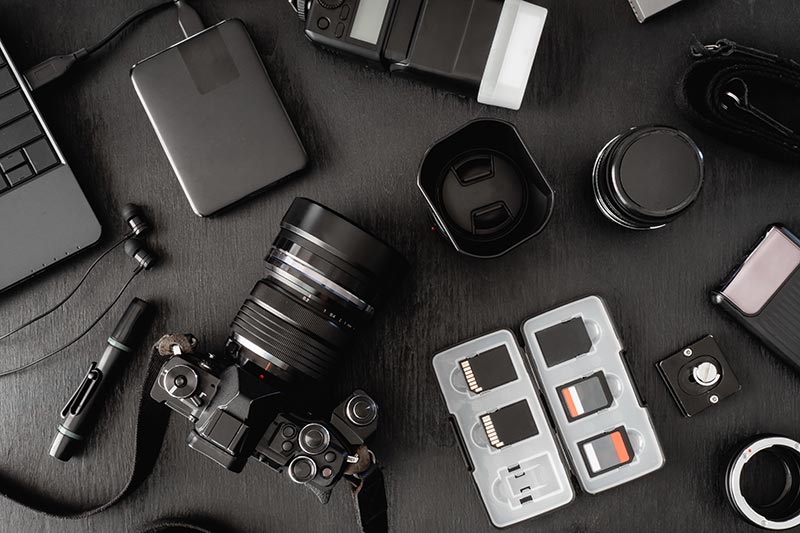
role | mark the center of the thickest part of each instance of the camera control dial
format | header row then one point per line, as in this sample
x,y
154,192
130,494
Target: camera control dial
x,y
314,438
180,382
330,4
302,469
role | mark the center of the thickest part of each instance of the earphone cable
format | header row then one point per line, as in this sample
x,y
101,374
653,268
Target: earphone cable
x,y
73,291
81,335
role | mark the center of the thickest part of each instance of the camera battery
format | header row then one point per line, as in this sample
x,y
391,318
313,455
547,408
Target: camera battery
x,y
607,452
585,396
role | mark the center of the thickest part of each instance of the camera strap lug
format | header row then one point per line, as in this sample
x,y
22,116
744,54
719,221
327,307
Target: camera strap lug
x,y
175,344
369,491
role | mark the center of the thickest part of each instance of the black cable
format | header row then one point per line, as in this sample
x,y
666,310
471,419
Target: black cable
x,y
81,335
127,22
69,295
56,66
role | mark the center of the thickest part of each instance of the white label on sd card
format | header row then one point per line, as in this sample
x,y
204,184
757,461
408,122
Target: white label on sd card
x,y
607,452
585,396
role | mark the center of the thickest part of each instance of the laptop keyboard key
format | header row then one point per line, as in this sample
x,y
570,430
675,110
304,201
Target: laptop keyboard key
x,y
41,155
7,82
12,106
19,174
19,133
12,160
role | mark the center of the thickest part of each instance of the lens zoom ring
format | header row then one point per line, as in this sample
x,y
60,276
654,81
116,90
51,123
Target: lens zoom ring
x,y
286,308
252,318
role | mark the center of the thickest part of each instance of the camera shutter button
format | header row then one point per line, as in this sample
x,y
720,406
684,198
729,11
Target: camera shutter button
x,y
361,410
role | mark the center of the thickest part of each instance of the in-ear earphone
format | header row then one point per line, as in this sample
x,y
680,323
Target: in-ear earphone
x,y
135,218
140,253
134,247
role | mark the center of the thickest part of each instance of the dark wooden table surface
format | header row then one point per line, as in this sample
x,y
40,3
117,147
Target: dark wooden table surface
x,y
597,73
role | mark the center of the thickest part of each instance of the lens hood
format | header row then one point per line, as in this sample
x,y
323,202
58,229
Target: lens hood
x,y
484,190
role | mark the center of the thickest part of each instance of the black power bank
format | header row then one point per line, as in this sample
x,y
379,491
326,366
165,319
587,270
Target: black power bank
x,y
763,293
218,117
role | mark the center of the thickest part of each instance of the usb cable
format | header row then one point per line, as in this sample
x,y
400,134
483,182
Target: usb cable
x,y
56,66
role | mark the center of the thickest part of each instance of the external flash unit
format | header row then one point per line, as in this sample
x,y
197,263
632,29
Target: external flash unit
x,y
483,48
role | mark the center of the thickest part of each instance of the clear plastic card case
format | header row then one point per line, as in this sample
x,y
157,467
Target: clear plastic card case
x,y
576,354
512,453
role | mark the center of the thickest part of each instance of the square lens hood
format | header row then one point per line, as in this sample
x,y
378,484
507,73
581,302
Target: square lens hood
x,y
485,192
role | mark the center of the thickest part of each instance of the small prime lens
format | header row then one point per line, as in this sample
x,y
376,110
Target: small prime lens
x,y
325,277
647,177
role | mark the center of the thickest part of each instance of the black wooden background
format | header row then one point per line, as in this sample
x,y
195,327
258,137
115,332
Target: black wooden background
x,y
597,73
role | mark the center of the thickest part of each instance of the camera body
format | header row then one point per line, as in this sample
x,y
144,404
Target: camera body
x,y
483,48
324,278
237,414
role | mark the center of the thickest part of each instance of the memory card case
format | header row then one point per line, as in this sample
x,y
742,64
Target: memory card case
x,y
582,415
763,293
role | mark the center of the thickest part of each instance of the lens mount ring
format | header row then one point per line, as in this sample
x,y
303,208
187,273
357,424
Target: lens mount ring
x,y
786,449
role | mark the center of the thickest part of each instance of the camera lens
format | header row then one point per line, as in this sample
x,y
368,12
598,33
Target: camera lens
x,y
325,277
647,177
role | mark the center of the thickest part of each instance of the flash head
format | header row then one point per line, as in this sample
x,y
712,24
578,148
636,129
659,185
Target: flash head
x,y
483,48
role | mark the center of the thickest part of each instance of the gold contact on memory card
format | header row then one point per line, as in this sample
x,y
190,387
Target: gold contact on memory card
x,y
491,432
472,383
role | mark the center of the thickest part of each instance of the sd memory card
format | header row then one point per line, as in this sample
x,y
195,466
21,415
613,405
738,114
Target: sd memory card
x,y
488,369
585,396
563,342
509,425
606,452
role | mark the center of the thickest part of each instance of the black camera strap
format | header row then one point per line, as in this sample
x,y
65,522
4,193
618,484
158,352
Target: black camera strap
x,y
369,496
745,95
151,426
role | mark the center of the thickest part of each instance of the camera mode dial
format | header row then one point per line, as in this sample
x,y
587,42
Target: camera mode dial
x,y
180,381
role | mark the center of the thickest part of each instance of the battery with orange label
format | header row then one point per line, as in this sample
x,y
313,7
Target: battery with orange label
x,y
585,396
606,452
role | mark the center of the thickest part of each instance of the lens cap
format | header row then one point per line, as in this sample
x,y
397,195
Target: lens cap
x,y
484,189
648,177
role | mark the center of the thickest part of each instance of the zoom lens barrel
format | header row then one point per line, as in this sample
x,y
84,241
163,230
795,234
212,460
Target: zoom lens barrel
x,y
325,277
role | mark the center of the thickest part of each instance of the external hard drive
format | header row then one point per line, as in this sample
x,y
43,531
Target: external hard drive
x,y
218,117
